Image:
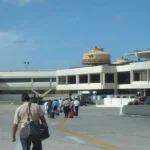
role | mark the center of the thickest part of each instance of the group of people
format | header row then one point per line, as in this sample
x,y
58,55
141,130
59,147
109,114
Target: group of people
x,y
62,105
35,113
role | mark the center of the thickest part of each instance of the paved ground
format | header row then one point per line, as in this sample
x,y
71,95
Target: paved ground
x,y
95,128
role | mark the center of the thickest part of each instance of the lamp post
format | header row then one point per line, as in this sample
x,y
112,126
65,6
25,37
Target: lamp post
x,y
26,63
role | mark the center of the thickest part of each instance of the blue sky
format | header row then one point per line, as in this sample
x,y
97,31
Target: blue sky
x,y
53,34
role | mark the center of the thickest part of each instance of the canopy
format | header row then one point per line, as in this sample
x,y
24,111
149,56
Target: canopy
x,y
140,54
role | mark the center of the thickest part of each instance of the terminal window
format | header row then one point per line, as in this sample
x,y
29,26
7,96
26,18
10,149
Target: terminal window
x,y
71,79
41,79
83,78
53,79
95,78
124,77
109,78
140,75
15,80
62,80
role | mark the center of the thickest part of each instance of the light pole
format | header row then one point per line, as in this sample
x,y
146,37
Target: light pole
x,y
26,63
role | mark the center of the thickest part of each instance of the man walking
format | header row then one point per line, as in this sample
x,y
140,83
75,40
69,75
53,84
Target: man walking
x,y
66,108
21,116
76,105
46,108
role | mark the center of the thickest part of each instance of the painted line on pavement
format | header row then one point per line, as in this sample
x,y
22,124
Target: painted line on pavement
x,y
53,124
86,138
78,140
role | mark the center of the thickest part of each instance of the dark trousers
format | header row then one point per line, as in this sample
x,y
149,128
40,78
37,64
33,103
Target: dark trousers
x,y
66,111
26,144
76,110
55,108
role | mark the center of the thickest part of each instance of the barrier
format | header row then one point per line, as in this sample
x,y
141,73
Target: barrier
x,y
113,102
143,110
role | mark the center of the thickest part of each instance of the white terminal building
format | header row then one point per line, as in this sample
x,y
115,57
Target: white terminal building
x,y
98,76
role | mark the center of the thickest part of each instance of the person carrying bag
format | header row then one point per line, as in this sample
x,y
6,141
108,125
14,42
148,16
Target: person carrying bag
x,y
32,131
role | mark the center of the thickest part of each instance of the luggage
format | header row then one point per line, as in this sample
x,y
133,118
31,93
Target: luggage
x,y
71,114
52,114
45,132
57,112
34,130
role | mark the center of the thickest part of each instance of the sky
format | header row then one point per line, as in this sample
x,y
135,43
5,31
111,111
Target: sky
x,y
54,34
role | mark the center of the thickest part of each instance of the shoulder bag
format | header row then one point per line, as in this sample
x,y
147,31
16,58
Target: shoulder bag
x,y
33,129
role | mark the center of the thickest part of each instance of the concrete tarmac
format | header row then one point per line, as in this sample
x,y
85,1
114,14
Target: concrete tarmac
x,y
94,128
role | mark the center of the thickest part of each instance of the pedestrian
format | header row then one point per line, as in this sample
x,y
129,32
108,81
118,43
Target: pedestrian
x,y
46,108
49,105
60,105
66,105
76,105
21,117
55,105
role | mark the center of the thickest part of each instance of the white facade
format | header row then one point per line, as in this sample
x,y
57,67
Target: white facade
x,y
24,80
135,75
139,74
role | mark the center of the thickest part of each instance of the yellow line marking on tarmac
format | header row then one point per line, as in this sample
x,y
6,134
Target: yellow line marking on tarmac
x,y
86,138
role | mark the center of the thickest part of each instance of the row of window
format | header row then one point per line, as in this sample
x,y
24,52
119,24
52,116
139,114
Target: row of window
x,y
123,78
30,92
27,80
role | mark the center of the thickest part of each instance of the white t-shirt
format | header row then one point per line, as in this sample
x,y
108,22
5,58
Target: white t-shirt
x,y
45,105
76,103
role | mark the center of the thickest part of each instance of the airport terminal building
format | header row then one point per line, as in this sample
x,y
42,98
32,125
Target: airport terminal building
x,y
98,75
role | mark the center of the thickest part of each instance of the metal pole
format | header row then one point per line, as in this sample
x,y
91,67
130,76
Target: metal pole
x,y
26,63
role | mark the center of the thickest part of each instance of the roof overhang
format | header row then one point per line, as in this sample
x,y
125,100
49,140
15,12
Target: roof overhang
x,y
140,54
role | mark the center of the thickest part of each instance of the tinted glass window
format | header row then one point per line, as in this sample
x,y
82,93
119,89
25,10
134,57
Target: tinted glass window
x,y
124,77
53,79
16,80
109,78
94,78
83,78
62,80
41,79
71,79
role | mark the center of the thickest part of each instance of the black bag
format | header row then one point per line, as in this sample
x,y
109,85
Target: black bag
x,y
57,112
34,130
45,133
52,114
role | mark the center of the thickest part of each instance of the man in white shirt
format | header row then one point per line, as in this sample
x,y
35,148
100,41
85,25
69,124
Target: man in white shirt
x,y
21,117
76,105
61,105
46,108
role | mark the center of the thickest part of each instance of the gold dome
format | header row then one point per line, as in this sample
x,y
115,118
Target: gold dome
x,y
121,61
96,56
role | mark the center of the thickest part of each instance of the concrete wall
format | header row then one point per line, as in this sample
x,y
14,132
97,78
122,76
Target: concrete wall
x,y
27,74
114,102
137,110
27,86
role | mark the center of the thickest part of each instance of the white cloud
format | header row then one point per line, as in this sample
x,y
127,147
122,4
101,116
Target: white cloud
x,y
17,2
119,18
23,2
77,18
15,48
10,40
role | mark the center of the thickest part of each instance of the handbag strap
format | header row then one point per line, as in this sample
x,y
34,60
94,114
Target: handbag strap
x,y
29,107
